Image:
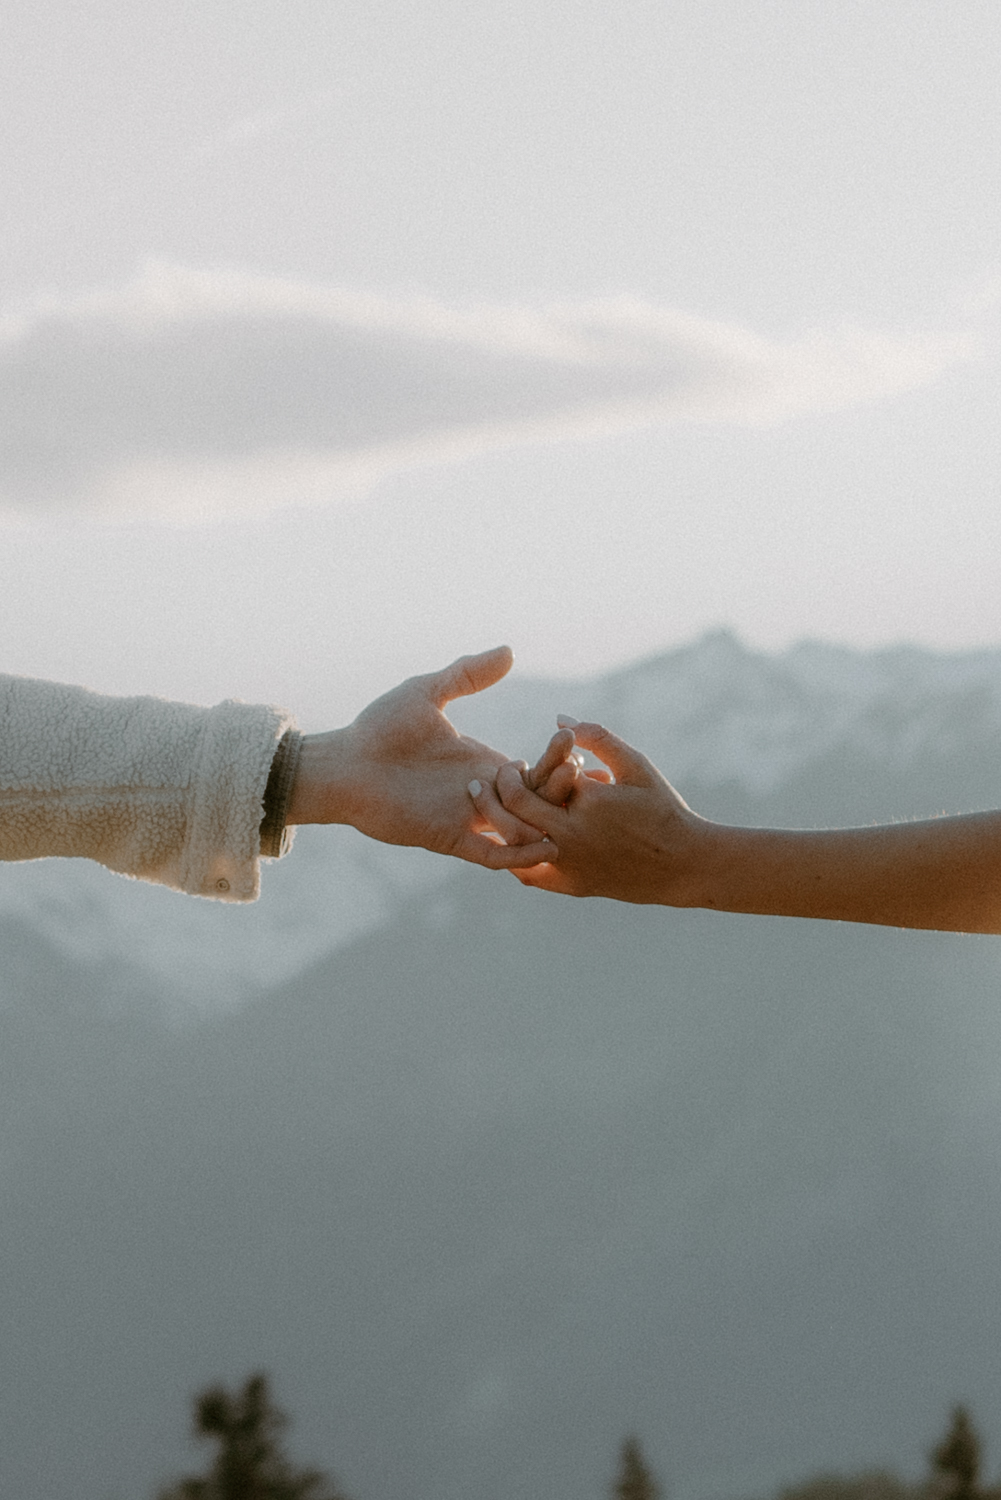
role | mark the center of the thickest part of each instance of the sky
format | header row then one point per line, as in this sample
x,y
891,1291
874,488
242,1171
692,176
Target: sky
x,y
338,340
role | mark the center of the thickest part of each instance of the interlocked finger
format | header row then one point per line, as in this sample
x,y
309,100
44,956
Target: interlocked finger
x,y
561,783
512,829
482,850
555,754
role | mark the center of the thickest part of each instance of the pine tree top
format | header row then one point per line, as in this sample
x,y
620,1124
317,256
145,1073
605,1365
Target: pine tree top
x,y
249,1462
635,1480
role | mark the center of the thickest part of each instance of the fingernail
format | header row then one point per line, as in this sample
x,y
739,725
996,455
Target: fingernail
x,y
565,722
475,788
522,765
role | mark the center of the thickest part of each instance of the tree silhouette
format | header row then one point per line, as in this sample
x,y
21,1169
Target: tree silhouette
x,y
635,1481
871,1484
958,1457
249,1463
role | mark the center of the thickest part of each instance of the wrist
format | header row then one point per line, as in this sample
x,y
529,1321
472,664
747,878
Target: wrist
x,y
323,789
704,870
744,870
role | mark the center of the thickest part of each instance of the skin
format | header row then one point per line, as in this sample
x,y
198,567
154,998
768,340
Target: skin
x,y
625,833
400,773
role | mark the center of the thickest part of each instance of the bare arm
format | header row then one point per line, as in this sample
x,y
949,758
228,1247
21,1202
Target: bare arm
x,y
635,839
943,873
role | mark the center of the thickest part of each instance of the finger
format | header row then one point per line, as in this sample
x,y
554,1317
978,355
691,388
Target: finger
x,y
481,850
598,773
561,783
527,805
511,828
544,878
554,755
470,674
626,764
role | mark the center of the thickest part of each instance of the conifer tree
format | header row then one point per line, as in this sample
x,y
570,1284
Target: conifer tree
x,y
958,1457
249,1463
635,1481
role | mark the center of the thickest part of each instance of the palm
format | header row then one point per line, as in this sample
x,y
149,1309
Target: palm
x,y
402,772
419,769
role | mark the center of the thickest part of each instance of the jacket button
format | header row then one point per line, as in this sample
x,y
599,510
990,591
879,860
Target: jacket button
x,y
222,885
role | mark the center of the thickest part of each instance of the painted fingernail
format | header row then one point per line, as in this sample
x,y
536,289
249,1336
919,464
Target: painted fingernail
x,y
565,722
475,788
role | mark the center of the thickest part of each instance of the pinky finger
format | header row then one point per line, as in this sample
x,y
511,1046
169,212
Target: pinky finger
x,y
480,849
544,878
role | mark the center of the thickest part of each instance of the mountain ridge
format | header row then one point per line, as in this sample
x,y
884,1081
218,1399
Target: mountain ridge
x,y
816,734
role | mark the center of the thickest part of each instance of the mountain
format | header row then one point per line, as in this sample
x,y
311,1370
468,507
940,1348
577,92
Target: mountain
x,y
503,1177
819,733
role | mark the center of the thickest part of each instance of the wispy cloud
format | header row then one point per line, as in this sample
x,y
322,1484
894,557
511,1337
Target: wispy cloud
x,y
192,393
270,122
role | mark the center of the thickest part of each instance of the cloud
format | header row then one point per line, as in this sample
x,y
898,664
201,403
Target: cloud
x,y
194,394
270,122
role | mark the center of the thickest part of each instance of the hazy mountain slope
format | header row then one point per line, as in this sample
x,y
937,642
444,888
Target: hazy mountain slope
x,y
194,955
489,1189
818,733
499,1176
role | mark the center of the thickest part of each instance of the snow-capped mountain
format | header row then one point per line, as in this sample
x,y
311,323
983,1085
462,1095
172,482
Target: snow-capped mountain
x,y
819,732
716,712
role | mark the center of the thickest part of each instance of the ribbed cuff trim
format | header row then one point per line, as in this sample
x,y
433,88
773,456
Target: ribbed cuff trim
x,y
275,837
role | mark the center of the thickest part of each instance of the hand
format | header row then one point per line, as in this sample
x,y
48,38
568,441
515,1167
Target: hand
x,y
400,773
633,838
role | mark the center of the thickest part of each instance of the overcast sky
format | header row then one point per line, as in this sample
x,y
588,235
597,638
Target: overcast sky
x,y
339,339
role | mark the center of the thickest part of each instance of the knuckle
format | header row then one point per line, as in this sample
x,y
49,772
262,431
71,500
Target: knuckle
x,y
510,786
462,675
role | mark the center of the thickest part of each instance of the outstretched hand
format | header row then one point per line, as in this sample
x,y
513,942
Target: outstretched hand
x,y
623,832
401,772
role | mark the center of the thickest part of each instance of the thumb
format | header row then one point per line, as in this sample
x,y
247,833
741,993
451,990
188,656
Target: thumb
x,y
629,767
470,674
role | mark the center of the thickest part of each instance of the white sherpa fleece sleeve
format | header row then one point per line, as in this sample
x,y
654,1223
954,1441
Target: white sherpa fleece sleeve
x,y
162,791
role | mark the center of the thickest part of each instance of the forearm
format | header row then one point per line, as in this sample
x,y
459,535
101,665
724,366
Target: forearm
x,y
167,792
944,873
